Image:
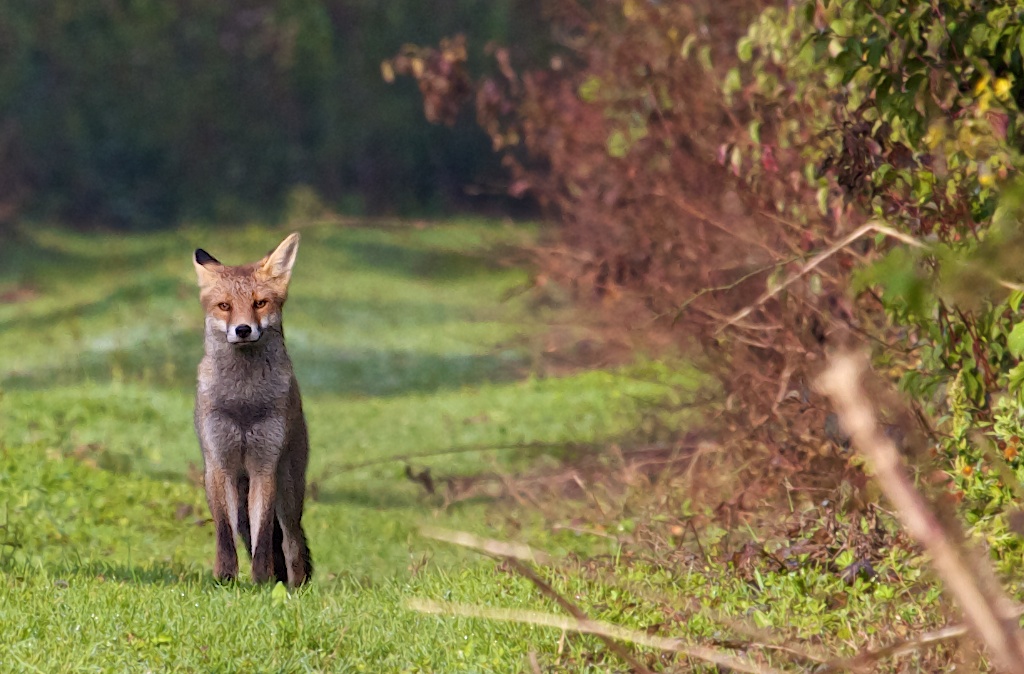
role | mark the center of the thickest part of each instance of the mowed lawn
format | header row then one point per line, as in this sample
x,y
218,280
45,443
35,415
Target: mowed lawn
x,y
403,343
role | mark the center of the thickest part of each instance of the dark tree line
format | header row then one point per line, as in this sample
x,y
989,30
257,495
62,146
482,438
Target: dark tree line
x,y
142,113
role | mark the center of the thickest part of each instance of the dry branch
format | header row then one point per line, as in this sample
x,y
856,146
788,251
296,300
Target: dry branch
x,y
503,549
576,612
595,627
973,585
512,553
816,261
905,646
516,553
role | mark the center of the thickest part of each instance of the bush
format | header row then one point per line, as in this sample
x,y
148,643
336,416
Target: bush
x,y
845,172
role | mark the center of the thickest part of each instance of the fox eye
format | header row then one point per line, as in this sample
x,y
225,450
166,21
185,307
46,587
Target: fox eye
x,y
224,306
259,304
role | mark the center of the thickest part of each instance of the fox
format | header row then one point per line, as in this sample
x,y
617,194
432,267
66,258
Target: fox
x,y
249,419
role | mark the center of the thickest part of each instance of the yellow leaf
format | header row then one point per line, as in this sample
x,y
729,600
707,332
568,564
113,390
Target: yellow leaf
x,y
1002,88
936,134
981,85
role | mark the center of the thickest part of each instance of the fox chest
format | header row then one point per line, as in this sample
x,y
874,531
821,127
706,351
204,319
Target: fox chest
x,y
246,400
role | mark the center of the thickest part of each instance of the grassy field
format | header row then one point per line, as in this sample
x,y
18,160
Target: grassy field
x,y
405,343
402,344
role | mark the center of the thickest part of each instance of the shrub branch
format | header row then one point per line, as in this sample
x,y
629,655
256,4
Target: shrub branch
x,y
973,585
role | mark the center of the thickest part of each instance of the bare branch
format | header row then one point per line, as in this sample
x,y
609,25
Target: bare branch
x,y
817,260
973,585
486,545
595,627
906,646
576,612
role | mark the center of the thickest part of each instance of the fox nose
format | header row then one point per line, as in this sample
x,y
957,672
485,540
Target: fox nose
x,y
243,331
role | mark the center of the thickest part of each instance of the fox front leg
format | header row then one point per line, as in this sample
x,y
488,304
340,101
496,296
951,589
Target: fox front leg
x,y
221,443
263,443
223,499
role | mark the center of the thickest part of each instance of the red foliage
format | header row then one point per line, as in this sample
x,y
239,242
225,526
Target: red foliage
x,y
626,139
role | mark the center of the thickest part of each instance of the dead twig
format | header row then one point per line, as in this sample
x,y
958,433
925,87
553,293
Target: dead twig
x,y
905,646
973,585
817,260
727,286
503,549
595,627
514,554
576,612
703,216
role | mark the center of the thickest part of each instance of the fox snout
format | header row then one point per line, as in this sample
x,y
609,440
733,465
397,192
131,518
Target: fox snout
x,y
244,333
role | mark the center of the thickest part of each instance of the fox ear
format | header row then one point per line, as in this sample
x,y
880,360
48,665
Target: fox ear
x,y
207,267
277,265
202,257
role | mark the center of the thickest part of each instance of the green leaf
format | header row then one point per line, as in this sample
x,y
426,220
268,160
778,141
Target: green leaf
x,y
1015,340
745,49
736,160
914,84
279,595
618,145
822,197
732,82
875,50
687,46
704,57
1014,300
590,88
1015,378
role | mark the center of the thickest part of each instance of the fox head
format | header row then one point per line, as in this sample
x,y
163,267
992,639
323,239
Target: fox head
x,y
244,302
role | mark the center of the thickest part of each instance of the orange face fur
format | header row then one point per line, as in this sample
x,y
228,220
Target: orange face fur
x,y
243,302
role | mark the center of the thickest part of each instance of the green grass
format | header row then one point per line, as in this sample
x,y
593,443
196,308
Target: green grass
x,y
402,344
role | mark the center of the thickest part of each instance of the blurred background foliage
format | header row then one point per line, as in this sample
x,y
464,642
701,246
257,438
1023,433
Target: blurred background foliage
x,y
139,114
777,180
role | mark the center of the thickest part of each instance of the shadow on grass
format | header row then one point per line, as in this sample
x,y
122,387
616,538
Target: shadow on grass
x,y
436,264
49,264
379,497
352,372
144,288
150,573
153,573
410,490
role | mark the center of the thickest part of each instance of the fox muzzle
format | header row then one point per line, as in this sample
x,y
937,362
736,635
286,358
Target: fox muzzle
x,y
244,333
